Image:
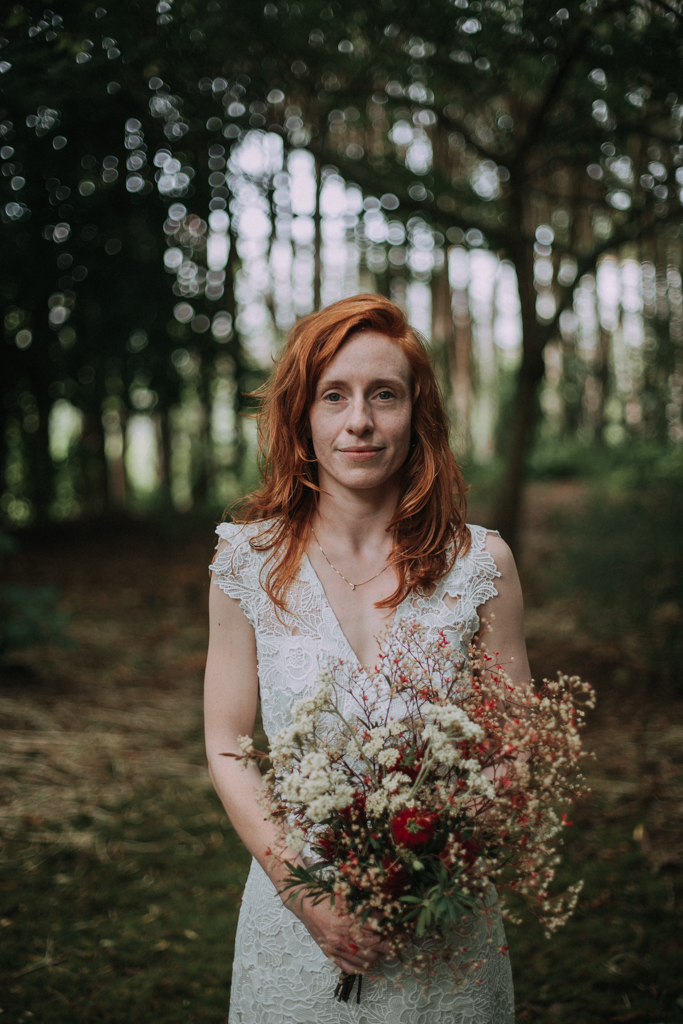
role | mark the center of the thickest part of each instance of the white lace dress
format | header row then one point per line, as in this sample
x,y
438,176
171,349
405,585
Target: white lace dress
x,y
280,975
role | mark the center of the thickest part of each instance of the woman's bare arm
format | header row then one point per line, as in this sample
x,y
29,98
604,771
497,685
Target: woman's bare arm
x,y
502,618
230,703
503,615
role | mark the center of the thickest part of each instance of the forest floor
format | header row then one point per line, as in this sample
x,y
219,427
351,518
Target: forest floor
x,y
120,876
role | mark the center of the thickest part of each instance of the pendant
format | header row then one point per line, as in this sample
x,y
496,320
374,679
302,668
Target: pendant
x,y
353,586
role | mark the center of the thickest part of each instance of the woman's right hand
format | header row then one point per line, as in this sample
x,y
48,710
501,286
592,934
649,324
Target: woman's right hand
x,y
352,947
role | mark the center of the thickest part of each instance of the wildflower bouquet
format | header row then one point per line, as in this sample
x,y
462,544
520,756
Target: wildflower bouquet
x,y
416,789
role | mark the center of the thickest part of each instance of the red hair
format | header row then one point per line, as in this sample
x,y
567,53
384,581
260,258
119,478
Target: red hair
x,y
429,523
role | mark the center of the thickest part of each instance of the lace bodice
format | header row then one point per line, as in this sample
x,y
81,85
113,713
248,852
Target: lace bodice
x,y
280,976
290,644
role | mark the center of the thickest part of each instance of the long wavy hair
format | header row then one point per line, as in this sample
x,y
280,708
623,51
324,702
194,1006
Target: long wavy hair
x,y
428,526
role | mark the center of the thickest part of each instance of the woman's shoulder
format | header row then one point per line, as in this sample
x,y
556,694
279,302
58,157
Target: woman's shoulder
x,y
239,547
238,561
486,559
247,534
487,548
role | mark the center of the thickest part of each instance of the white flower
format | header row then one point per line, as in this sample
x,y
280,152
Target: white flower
x,y
246,745
453,719
398,801
317,785
377,802
388,757
441,747
395,780
374,744
295,840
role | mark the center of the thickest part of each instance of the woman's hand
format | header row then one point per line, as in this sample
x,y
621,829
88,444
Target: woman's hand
x,y
353,948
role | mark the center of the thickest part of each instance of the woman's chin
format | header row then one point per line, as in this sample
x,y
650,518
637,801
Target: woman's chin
x,y
361,479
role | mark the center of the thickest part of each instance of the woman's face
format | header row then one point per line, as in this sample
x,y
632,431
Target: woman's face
x,y
361,414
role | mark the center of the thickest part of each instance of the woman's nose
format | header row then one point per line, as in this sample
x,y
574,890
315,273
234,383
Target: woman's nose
x,y
359,419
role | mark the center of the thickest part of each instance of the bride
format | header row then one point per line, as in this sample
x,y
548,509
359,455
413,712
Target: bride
x,y
358,523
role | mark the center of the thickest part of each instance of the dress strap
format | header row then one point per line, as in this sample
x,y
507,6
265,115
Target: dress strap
x,y
236,567
471,580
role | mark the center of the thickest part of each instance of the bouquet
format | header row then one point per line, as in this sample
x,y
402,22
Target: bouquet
x,y
414,790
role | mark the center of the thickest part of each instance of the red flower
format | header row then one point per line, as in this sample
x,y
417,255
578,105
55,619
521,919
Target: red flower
x,y
395,877
328,844
411,770
413,828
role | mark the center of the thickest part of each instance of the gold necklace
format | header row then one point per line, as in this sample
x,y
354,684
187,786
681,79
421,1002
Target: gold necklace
x,y
352,585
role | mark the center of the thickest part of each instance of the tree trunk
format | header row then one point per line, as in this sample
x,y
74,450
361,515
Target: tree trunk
x,y
39,465
442,316
603,381
525,406
94,466
452,328
318,265
165,451
114,441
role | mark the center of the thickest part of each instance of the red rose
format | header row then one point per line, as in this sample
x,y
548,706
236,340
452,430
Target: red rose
x,y
413,828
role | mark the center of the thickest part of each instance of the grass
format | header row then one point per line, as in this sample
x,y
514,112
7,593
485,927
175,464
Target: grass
x,y
137,924
620,958
136,927
120,876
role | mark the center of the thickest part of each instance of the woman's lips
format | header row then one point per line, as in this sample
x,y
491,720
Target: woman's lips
x,y
360,454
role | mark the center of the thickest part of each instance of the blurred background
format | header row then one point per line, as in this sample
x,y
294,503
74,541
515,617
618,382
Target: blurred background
x,y
180,182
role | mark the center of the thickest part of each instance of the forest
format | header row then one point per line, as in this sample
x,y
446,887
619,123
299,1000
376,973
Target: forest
x,y
181,181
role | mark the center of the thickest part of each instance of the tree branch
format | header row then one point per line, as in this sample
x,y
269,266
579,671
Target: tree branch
x,y
458,126
530,136
669,8
366,178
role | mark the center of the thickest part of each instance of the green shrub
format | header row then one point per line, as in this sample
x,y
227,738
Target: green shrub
x,y
632,464
622,559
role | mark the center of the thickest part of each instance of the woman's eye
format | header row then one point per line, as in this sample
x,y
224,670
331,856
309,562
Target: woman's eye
x,y
333,396
385,394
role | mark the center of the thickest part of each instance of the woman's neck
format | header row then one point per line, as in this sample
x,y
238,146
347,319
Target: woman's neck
x,y
356,520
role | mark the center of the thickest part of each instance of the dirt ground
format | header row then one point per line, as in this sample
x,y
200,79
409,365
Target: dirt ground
x,y
86,731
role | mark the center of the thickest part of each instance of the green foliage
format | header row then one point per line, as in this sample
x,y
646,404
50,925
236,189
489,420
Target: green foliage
x,y
634,464
622,562
28,615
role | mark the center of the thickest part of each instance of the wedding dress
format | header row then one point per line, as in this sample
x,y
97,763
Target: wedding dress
x,y
280,975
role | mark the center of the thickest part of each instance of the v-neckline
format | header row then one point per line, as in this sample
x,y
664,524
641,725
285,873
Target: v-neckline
x,y
326,601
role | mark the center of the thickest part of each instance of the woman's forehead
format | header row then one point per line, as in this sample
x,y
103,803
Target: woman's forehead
x,y
370,352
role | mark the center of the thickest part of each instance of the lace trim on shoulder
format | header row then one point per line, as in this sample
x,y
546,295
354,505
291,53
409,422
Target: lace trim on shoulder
x,y
471,579
482,570
236,567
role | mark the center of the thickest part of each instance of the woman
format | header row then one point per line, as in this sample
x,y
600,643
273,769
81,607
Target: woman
x,y
358,522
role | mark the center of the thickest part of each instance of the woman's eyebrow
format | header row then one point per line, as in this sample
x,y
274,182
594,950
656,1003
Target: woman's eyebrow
x,y
394,382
